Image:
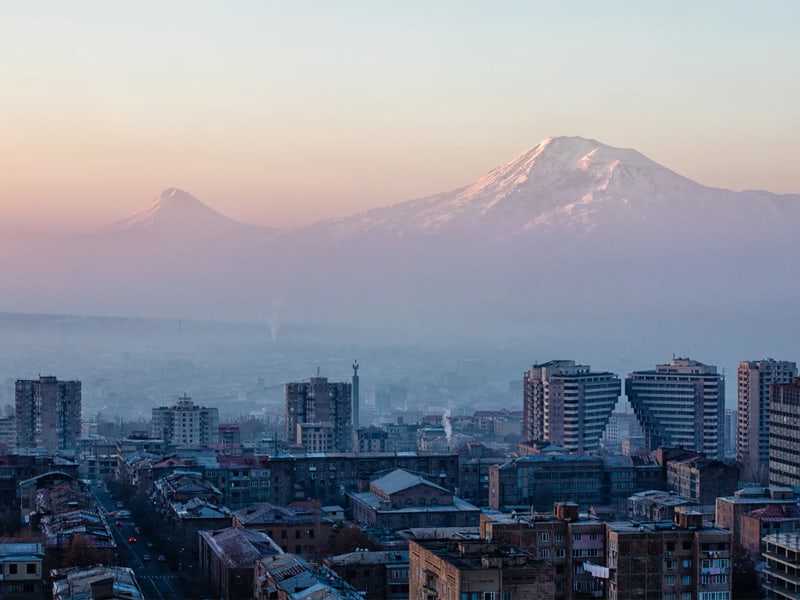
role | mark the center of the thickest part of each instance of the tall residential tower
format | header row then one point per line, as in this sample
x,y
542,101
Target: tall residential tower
x,y
48,413
680,404
568,404
755,380
186,424
784,435
319,415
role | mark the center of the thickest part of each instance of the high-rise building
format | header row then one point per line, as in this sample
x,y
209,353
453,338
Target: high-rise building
x,y
356,406
730,433
319,415
755,380
784,435
186,424
568,404
48,413
680,404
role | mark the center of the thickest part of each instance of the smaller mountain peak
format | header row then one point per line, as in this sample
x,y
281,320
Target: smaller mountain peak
x,y
175,196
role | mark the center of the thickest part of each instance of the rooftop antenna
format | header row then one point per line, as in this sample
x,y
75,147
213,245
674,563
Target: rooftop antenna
x,y
317,371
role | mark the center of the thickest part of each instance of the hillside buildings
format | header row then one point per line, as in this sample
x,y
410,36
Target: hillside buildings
x,y
568,404
754,384
319,415
680,404
784,435
186,424
48,413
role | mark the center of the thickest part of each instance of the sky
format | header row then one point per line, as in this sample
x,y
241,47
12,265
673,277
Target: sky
x,y
286,113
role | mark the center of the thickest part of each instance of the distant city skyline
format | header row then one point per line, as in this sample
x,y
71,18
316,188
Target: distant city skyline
x,y
284,114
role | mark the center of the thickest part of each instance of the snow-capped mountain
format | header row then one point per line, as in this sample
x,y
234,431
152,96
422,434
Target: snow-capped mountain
x,y
561,184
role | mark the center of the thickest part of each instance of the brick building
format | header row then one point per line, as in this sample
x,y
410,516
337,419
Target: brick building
x,y
299,530
228,558
379,575
401,500
453,570
701,479
731,509
688,558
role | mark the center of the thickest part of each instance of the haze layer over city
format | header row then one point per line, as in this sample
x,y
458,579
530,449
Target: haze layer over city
x,y
249,166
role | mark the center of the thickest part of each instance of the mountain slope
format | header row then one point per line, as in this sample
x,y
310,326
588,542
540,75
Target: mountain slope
x,y
176,212
562,184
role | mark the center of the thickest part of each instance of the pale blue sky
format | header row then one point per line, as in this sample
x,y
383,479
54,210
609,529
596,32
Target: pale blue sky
x,y
287,112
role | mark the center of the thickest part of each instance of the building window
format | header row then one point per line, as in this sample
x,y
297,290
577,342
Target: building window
x,y
30,568
544,537
12,568
544,553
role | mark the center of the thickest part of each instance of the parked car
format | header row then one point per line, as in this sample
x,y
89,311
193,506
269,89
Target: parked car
x,y
118,523
150,544
162,558
146,557
132,540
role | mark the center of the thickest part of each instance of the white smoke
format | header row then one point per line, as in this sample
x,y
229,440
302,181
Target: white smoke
x,y
448,427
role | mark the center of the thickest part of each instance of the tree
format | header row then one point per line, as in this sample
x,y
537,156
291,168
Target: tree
x,y
81,552
349,538
744,582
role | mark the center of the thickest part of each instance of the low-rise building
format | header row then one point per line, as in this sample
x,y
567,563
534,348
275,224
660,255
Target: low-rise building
x,y
564,539
542,478
59,529
186,519
378,575
298,530
687,558
701,479
228,558
289,577
730,509
21,570
402,499
769,520
657,505
452,570
182,486
101,582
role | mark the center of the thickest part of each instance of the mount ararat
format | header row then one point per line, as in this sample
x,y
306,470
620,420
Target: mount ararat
x,y
570,241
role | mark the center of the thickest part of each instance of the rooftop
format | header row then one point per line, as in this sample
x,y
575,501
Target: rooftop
x,y
400,479
240,548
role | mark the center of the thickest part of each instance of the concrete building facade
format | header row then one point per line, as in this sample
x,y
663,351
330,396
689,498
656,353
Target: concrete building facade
x,y
680,404
319,415
754,386
568,404
48,413
784,435
453,570
186,424
687,558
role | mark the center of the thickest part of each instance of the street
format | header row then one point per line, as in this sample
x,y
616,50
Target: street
x,y
158,581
